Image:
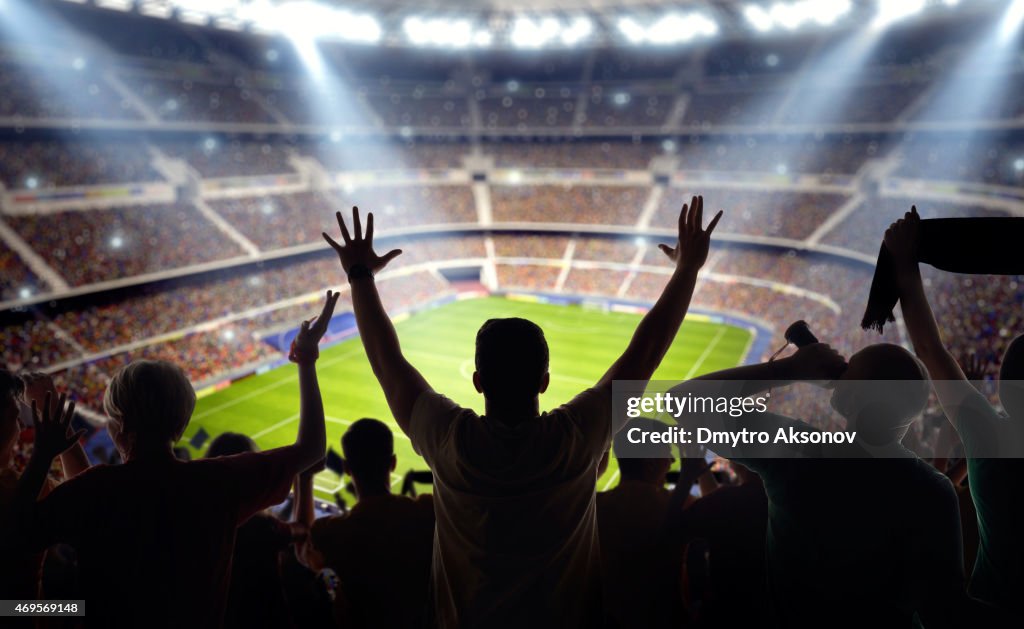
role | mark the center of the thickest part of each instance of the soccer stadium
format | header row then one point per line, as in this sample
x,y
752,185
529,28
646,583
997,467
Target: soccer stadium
x,y
167,168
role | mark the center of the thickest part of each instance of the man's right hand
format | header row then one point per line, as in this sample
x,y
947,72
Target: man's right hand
x,y
53,434
359,251
816,362
691,250
901,238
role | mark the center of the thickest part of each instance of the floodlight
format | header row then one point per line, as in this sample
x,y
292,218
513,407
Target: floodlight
x,y
1011,21
891,11
672,28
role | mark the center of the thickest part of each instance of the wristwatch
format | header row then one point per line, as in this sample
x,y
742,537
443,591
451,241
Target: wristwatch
x,y
359,271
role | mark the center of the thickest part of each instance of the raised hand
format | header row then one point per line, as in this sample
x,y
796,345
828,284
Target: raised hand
x,y
691,250
312,330
358,251
973,367
38,385
901,238
53,434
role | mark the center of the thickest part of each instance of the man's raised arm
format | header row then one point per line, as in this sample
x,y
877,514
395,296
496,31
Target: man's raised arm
x,y
659,326
948,379
401,382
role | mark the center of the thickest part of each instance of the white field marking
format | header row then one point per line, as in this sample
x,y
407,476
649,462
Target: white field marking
x,y
608,485
264,389
270,429
705,354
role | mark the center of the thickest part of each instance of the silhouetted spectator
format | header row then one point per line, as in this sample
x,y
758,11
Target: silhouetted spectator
x,y
154,535
255,595
866,534
514,490
992,441
380,550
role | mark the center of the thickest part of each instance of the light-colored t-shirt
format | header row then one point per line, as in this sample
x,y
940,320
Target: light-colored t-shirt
x,y
516,542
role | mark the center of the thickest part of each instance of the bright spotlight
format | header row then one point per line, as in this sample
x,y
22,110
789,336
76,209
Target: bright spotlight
x,y
538,32
209,144
78,63
673,28
116,242
444,32
32,182
25,292
1018,164
891,11
639,241
229,335
793,15
1011,21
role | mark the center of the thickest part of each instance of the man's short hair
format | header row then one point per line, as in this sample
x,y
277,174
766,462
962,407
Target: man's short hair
x,y
367,447
11,385
631,465
894,396
151,400
511,358
229,443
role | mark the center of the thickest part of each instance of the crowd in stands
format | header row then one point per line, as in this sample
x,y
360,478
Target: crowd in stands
x,y
362,155
213,157
585,281
600,205
614,155
778,214
609,108
15,276
421,110
852,105
621,250
707,109
978,160
29,343
440,249
278,221
535,246
176,99
79,162
532,277
827,155
53,91
122,241
860,229
522,112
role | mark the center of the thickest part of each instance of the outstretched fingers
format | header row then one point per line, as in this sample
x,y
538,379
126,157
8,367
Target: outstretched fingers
x,y
357,223
713,223
344,229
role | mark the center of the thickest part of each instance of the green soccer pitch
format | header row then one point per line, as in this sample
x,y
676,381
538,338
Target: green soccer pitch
x,y
439,342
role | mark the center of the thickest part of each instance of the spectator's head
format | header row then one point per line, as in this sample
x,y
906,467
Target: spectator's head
x,y
511,361
12,389
228,443
1011,378
368,448
656,460
881,393
149,403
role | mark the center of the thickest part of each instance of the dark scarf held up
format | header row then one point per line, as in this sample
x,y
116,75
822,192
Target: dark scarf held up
x,y
981,246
